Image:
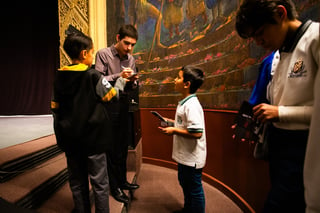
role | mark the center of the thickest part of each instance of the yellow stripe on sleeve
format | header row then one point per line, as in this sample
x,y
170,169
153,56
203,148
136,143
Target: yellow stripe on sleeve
x,y
109,95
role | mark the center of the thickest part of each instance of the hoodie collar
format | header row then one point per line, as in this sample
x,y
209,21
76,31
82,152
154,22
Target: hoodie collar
x,y
74,67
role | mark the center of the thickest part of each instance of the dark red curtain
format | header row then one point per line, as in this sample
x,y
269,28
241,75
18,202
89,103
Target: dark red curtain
x,y
30,56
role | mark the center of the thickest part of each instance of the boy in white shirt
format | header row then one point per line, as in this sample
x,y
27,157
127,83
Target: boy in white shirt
x,y
274,25
189,139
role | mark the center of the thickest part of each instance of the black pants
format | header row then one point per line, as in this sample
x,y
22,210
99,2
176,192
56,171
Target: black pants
x,y
286,158
118,151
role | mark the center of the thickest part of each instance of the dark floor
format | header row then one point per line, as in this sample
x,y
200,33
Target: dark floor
x,y
160,192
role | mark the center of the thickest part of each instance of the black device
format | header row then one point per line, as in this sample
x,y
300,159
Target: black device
x,y
155,113
163,122
246,126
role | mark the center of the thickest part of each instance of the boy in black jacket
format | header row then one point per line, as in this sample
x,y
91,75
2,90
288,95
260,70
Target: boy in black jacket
x,y
81,122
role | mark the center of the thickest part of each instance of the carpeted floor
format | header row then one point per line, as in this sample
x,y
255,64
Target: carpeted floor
x,y
18,129
160,192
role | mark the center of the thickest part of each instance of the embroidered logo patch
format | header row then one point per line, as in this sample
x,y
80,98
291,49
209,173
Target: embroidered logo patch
x,y
298,69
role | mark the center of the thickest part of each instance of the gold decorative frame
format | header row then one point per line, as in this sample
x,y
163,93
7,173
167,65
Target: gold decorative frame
x,y
88,16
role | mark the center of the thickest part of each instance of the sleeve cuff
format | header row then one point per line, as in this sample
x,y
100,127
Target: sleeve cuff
x,y
300,114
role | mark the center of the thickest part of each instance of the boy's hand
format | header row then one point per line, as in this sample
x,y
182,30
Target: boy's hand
x,y
266,112
133,77
126,72
167,130
129,74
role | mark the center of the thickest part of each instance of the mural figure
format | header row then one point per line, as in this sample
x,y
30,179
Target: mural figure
x,y
221,9
194,9
172,16
139,11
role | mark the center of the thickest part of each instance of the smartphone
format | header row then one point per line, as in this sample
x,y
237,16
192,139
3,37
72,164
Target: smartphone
x,y
163,121
158,116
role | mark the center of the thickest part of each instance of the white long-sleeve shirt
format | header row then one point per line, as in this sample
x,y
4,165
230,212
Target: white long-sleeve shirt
x,y
291,87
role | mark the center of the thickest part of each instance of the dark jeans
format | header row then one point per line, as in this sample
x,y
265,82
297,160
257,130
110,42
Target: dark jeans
x,y
190,181
286,158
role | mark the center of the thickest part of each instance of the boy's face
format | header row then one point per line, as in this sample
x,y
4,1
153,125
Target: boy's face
x,y
179,84
88,57
270,36
125,45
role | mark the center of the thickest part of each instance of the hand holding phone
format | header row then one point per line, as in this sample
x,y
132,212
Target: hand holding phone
x,y
133,77
128,73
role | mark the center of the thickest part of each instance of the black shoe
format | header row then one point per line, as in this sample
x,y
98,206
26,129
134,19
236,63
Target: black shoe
x,y
120,196
129,186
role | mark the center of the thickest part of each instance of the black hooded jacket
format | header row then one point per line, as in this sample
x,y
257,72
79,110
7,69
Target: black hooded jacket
x,y
81,121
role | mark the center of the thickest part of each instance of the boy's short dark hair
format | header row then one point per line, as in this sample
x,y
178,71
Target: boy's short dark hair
x,y
253,14
194,75
75,43
128,30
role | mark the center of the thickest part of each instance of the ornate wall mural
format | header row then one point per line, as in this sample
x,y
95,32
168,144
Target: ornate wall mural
x,y
174,33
